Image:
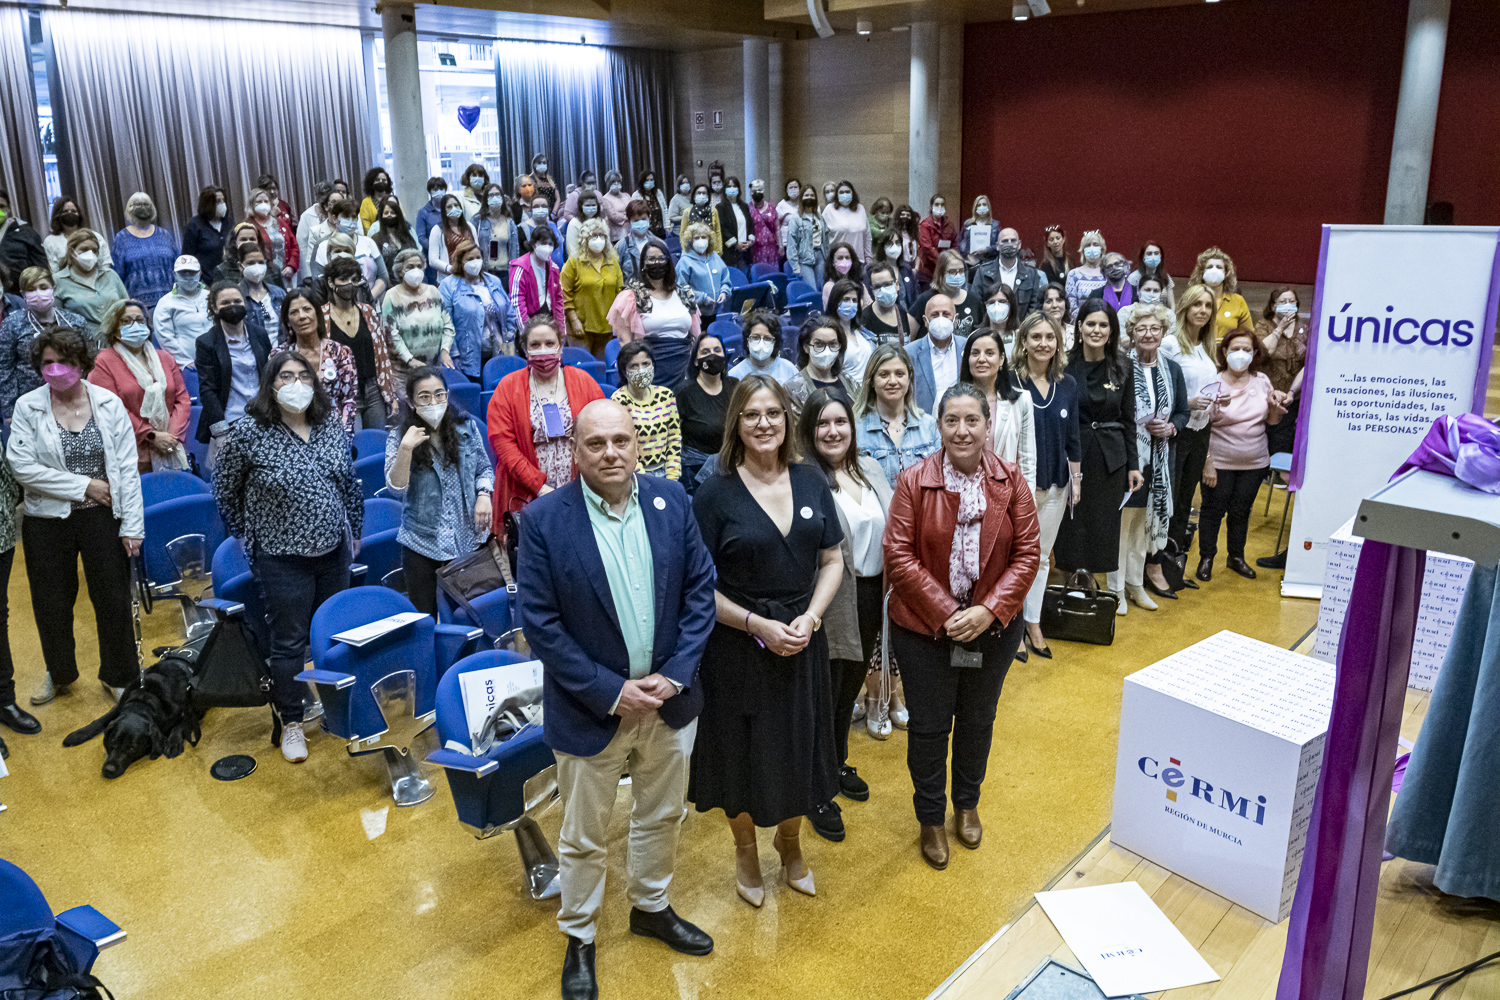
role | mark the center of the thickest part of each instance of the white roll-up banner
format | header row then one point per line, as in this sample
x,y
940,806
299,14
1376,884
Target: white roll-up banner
x,y
1403,327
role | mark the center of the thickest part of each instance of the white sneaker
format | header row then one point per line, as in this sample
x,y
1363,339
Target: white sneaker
x,y
293,742
48,691
111,692
1138,595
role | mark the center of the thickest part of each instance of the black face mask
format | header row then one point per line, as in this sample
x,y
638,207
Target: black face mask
x,y
345,292
712,364
382,189
655,270
69,218
233,314
1009,252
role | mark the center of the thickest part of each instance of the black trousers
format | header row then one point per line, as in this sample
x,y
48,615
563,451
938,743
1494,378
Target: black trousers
x,y
421,580
53,547
7,665
1234,496
942,698
1187,473
292,589
848,675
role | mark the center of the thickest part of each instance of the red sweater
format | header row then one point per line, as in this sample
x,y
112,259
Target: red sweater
x,y
930,232
517,475
110,372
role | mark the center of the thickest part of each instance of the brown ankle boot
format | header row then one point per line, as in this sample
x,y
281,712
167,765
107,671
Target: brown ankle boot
x,y
966,824
934,842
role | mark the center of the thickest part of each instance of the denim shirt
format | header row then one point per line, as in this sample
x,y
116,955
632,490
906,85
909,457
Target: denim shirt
x,y
707,276
467,310
919,440
422,506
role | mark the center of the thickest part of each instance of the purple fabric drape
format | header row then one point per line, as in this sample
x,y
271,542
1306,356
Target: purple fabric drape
x,y
1333,913
1465,447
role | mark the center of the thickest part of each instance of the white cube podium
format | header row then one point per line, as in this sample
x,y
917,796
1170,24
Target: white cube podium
x,y
1220,746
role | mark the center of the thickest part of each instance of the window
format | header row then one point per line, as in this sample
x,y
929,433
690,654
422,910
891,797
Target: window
x,y
454,74
45,128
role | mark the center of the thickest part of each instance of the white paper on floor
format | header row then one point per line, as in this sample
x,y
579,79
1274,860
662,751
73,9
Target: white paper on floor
x,y
374,821
1124,940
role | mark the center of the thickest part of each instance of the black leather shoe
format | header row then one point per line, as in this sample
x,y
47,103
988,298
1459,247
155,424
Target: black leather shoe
x,y
1240,566
4,751
1169,594
828,821
17,718
1205,570
1021,655
851,785
671,930
1277,561
578,980
1045,652
1188,583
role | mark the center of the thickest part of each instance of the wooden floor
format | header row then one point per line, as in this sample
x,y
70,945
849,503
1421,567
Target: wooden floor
x,y
1419,931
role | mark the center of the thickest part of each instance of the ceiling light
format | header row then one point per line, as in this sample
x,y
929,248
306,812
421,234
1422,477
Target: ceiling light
x,y
863,27
1039,8
1020,11
902,27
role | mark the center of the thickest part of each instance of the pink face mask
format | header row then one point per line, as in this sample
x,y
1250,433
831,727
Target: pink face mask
x,y
39,300
842,266
61,377
544,364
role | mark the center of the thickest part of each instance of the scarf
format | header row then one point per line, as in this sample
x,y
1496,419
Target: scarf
x,y
153,382
963,558
1151,379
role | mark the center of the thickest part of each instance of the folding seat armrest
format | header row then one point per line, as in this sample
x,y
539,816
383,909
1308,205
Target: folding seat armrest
x,y
453,642
91,925
222,608
357,574
456,760
331,678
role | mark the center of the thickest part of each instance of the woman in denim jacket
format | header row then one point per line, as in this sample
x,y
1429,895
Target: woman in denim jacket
x,y
892,430
435,463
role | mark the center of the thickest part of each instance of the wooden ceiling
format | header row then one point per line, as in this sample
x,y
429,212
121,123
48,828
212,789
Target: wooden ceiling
x,y
887,14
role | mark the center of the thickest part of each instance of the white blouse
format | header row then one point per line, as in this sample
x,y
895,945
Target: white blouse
x,y
866,526
668,318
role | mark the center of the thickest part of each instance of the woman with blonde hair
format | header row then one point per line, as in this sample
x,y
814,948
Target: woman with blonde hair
x,y
701,269
1087,278
1037,365
1193,348
1215,271
87,285
590,281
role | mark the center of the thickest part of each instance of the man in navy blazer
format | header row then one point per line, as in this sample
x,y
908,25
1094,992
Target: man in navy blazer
x,y
617,600
937,354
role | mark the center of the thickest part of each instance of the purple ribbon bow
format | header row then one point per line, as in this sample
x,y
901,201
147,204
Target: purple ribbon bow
x,y
1465,446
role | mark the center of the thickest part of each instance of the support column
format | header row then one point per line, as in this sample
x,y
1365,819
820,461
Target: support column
x,y
757,101
923,131
403,87
775,175
1416,112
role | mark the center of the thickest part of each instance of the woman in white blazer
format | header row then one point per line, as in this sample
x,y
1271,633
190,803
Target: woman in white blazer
x,y
73,450
983,365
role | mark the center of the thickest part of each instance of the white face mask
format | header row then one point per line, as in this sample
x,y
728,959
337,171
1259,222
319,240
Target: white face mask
x,y
412,276
256,273
295,397
220,210
940,329
596,244
1150,298
999,312
473,266
589,211
700,246
1239,360
823,357
86,260
1213,275
700,199
938,211
432,415
262,208
760,350
614,188
792,193
893,251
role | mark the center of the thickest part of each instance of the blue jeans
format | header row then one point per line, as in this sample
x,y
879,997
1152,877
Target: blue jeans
x,y
292,588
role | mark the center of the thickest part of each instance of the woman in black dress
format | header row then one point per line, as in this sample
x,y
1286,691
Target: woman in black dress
x,y
702,400
765,747
1090,539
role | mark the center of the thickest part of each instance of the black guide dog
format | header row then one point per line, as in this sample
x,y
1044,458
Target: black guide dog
x,y
154,716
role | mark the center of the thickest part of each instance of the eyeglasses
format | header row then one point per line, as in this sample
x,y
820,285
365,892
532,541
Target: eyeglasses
x,y
288,377
430,398
771,417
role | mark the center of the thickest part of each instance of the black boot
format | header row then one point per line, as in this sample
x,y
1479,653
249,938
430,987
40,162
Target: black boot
x,y
578,980
1277,561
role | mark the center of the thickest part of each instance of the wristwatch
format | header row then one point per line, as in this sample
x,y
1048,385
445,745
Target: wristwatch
x,y
817,622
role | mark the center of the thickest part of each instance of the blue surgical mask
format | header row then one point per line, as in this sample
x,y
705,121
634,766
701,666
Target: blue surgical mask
x,y
496,201
845,197
955,279
454,212
348,225
437,196
732,192
640,226
1286,308
1152,259
1092,253
848,309
539,214
886,295
134,334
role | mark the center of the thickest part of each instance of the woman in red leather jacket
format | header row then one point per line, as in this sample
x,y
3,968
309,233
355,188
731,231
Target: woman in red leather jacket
x,y
961,548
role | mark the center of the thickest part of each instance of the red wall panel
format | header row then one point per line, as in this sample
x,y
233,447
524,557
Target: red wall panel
x,y
1466,153
1246,124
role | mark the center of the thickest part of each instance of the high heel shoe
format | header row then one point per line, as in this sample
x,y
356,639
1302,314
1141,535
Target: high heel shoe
x,y
899,715
877,721
804,884
1045,652
747,858
1159,592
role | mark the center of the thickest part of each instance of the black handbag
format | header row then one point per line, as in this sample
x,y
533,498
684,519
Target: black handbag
x,y
1078,612
231,674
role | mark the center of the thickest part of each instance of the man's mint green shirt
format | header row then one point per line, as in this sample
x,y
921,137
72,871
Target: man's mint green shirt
x,y
625,550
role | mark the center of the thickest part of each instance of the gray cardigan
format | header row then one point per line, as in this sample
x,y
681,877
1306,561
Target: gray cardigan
x,y
841,620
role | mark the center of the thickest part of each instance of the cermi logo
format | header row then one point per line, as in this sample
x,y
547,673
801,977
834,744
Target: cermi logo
x,y
1174,778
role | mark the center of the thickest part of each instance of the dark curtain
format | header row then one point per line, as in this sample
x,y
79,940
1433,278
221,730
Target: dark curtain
x,y
587,108
168,105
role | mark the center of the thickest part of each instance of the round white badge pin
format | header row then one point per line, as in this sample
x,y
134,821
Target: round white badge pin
x,y
1064,413
807,513
660,503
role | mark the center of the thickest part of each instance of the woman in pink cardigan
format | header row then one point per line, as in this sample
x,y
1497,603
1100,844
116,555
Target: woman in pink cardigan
x,y
150,385
526,291
654,309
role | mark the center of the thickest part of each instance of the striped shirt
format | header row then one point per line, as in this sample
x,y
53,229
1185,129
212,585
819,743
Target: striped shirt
x,y
658,430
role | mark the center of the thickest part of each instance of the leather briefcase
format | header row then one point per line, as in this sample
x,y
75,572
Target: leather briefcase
x,y
1078,612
